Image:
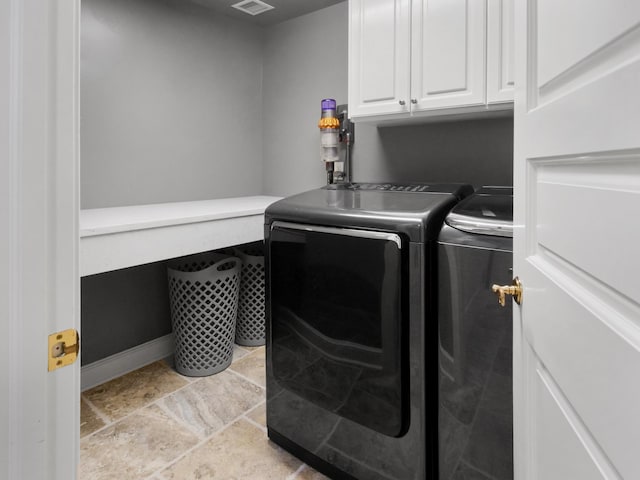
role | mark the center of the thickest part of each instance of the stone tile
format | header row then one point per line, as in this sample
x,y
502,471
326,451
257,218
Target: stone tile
x,y
240,451
89,420
239,352
170,362
212,402
134,447
252,366
252,349
121,396
259,414
308,473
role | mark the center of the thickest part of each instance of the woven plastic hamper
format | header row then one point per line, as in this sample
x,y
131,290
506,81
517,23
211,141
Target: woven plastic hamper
x,y
203,292
250,325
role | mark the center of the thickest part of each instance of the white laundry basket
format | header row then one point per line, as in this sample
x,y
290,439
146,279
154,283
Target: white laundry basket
x,y
203,291
250,325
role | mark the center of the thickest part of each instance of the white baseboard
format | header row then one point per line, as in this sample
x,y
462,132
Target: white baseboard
x,y
121,363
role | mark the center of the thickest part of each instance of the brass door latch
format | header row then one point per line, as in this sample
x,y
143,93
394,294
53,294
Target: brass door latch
x,y
63,348
514,289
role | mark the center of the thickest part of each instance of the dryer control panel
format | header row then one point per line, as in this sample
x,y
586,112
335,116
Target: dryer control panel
x,y
392,187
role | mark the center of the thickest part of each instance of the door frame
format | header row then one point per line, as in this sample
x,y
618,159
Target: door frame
x,y
39,210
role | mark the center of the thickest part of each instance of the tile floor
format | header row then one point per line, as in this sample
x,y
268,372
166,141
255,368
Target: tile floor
x,y
156,424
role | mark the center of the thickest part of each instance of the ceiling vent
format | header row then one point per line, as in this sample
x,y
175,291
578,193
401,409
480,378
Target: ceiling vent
x,y
252,7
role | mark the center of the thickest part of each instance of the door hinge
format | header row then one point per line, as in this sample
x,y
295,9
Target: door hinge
x,y
63,348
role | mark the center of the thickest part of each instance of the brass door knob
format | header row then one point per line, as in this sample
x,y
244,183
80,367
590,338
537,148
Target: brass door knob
x,y
515,289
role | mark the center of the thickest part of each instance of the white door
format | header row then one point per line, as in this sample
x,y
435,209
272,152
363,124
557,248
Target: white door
x,y
447,53
39,281
577,240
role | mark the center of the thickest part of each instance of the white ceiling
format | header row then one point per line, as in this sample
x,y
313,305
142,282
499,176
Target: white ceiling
x,y
283,9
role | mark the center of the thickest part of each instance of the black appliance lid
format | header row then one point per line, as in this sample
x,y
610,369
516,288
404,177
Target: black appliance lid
x,y
416,210
489,211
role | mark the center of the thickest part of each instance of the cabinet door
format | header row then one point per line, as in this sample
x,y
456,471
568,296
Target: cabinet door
x,y
447,54
379,43
500,51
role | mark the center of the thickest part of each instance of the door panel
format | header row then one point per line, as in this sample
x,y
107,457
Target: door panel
x,y
444,27
377,50
560,429
500,47
379,57
448,53
577,194
336,320
594,25
601,115
591,349
599,200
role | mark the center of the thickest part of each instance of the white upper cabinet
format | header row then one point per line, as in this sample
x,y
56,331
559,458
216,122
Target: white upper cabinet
x,y
412,58
447,53
379,57
500,47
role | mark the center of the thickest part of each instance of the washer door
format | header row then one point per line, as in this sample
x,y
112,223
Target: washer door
x,y
336,321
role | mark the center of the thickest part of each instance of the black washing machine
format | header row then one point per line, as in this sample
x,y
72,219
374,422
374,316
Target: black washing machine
x,y
351,327
475,338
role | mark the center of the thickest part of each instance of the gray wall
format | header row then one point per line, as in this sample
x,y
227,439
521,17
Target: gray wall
x,y
479,152
305,60
171,111
123,309
171,100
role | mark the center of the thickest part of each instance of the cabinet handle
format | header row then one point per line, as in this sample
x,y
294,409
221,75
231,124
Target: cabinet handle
x,y
414,100
402,102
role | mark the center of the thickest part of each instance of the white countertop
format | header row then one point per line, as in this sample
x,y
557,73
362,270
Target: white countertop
x,y
103,221
120,237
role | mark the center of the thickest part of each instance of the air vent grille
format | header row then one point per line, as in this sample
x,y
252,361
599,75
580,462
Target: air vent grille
x,y
252,7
